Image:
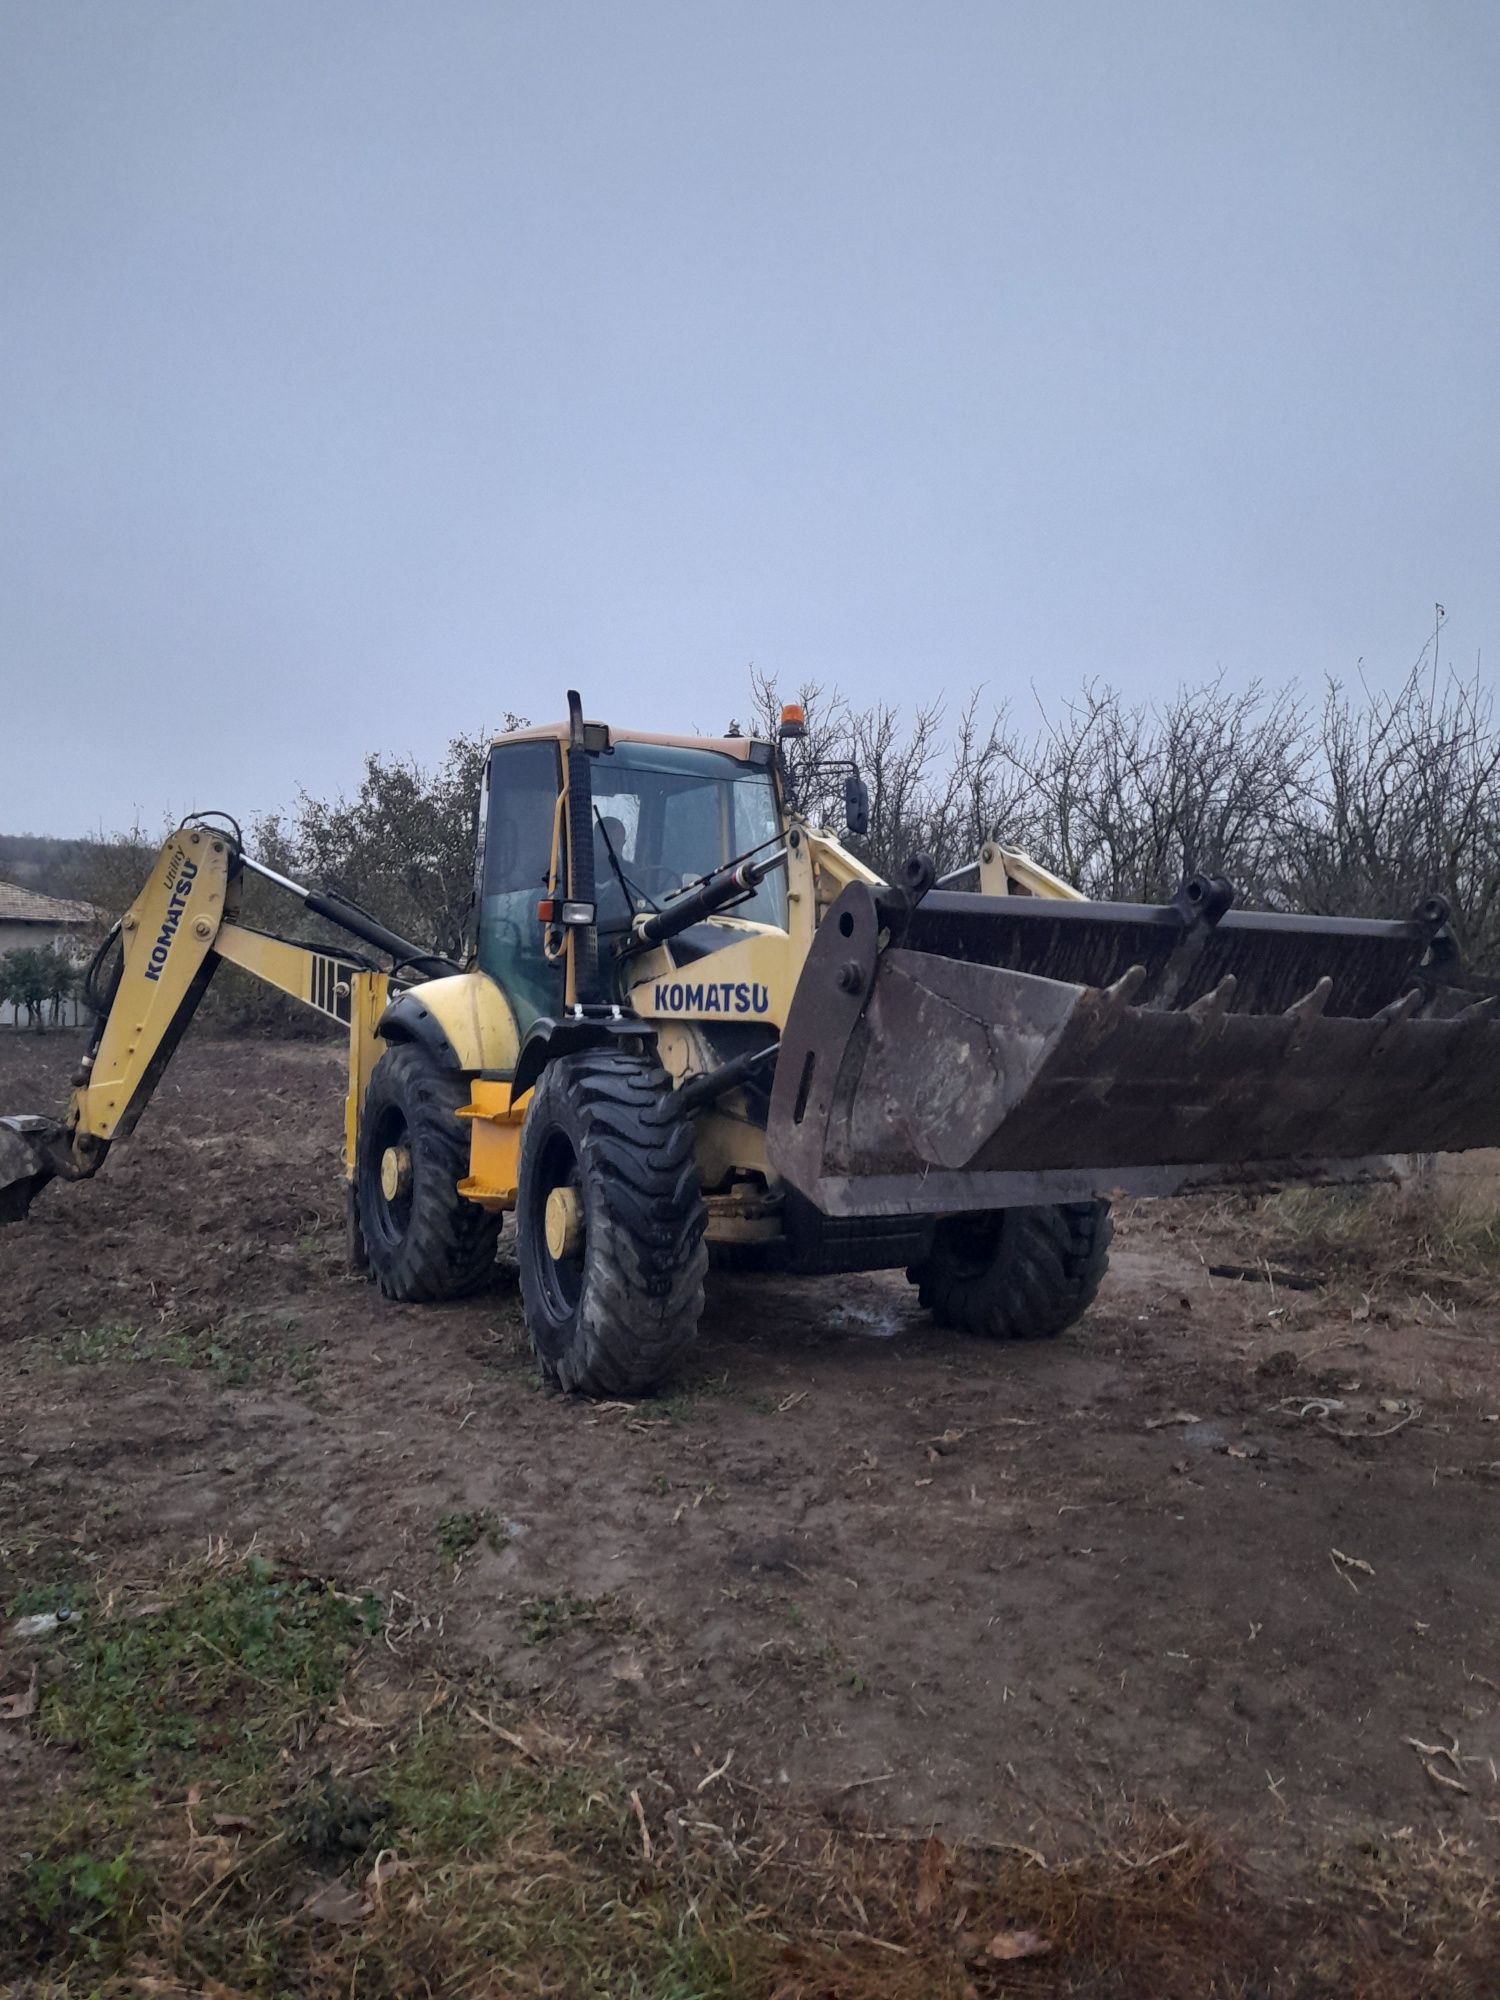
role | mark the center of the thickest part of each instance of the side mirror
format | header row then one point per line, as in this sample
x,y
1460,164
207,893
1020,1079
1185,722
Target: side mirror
x,y
856,805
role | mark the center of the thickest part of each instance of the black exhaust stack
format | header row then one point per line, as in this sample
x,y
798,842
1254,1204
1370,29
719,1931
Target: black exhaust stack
x,y
581,885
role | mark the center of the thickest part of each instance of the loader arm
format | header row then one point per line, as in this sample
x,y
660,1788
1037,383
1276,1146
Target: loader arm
x,y
161,956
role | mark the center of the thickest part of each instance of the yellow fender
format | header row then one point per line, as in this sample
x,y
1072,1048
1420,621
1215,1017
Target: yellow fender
x,y
464,1021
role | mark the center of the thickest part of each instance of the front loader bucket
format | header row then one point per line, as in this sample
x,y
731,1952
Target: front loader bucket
x,y
1010,1051
26,1163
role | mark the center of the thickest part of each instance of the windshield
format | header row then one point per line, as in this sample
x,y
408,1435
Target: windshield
x,y
663,817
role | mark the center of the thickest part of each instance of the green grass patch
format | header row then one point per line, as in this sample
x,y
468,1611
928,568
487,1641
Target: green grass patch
x,y
114,1341
60,1592
680,1404
544,1619
81,1906
460,1532
35,1597
40,1571
441,1804
204,1685
242,1350
220,1667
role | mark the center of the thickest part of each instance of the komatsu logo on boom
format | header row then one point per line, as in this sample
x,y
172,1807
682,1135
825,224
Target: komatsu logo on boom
x,y
181,887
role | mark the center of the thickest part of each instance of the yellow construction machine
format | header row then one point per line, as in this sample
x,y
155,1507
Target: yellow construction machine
x,y
692,1021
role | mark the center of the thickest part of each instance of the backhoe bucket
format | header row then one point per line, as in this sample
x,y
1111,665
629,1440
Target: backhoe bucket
x,y
1008,1051
26,1163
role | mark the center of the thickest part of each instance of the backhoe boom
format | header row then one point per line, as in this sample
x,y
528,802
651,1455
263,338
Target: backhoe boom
x,y
162,955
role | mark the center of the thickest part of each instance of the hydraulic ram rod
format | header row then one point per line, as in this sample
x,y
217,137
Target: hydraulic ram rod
x,y
730,885
337,909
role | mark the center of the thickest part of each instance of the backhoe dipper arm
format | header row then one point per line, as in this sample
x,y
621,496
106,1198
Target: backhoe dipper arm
x,y
170,941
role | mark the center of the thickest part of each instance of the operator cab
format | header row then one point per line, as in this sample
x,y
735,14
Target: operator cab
x,y
666,813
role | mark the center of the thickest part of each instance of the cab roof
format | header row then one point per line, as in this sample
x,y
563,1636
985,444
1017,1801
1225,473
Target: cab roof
x,y
558,732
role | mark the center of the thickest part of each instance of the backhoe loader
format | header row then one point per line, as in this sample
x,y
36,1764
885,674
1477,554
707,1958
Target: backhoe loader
x,y
691,1021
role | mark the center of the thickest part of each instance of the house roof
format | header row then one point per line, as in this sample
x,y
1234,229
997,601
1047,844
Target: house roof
x,y
25,906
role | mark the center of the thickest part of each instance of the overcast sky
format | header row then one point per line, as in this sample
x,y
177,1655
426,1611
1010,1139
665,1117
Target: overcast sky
x,y
366,370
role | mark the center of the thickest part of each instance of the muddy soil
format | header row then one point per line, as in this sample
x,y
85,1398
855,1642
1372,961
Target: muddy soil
x,y
1225,1546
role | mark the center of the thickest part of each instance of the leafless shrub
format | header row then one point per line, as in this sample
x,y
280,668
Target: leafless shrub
x,y
1360,806
1125,801
1406,801
932,791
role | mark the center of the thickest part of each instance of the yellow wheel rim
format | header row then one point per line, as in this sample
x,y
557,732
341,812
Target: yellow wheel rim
x,y
395,1172
564,1223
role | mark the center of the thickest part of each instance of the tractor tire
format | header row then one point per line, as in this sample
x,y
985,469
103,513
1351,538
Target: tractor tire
x,y
613,1289
421,1239
1016,1273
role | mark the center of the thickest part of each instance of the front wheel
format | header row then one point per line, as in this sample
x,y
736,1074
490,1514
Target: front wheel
x,y
609,1224
1016,1273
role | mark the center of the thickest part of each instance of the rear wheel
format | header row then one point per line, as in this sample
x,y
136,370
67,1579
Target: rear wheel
x,y
1016,1273
422,1240
609,1224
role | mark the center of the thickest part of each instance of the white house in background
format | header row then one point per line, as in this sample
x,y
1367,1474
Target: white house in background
x,y
29,921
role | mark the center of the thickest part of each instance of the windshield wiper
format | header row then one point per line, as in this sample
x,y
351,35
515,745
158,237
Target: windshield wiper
x,y
632,893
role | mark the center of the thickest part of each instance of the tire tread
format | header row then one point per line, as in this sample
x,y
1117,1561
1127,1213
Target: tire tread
x,y
448,1251
1046,1271
642,1297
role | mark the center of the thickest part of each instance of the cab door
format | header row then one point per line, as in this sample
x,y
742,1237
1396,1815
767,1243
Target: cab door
x,y
521,791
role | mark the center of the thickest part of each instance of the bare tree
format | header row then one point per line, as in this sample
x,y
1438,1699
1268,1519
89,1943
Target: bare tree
x,y
931,790
1364,806
1407,802
1125,801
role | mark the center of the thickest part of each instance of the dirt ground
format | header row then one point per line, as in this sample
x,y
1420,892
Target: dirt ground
x,y
1226,1545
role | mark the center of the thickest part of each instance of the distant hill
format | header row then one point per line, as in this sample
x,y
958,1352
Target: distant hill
x,y
51,867
87,870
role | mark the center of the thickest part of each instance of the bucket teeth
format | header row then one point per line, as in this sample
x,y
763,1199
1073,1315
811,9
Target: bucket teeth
x,y
1312,1004
1400,1009
1114,999
1209,1010
1125,988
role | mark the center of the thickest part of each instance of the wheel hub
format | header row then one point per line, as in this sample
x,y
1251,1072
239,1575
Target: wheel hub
x,y
564,1223
395,1172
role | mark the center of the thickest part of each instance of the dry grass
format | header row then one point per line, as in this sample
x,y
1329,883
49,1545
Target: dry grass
x,y
252,1793
1435,1236
1414,1239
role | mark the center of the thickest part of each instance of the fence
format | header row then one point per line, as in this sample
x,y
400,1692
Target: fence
x,y
67,1013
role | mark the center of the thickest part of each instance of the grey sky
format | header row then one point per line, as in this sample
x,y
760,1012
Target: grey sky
x,y
367,369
